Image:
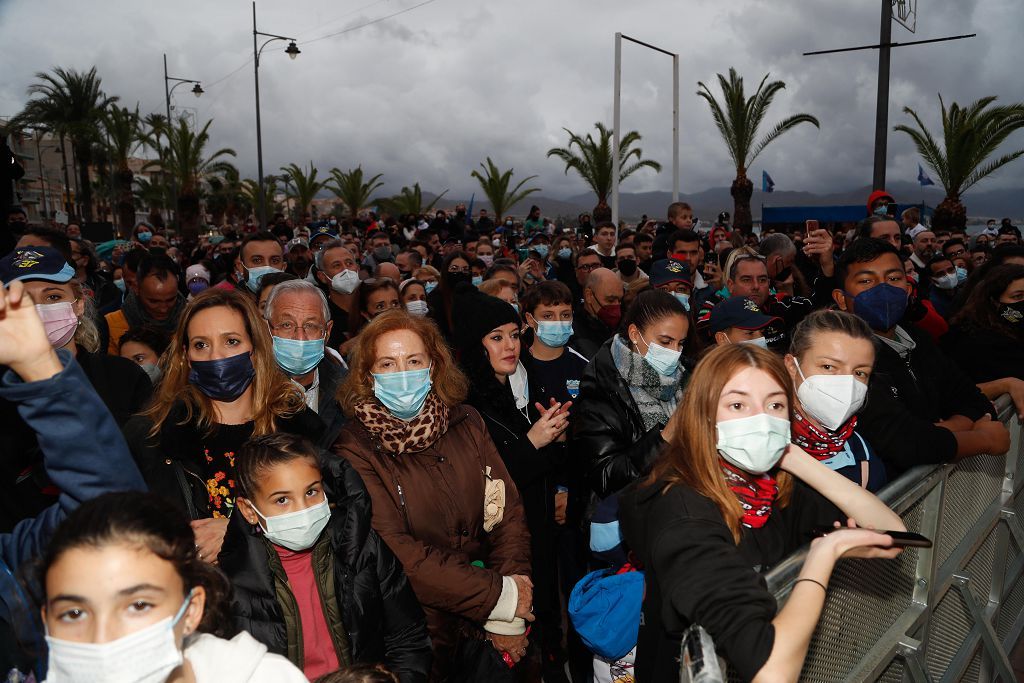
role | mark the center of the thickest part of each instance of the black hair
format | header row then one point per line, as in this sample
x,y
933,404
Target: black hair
x,y
261,236
650,306
148,521
274,279
865,226
503,265
981,309
603,224
822,321
938,257
360,672
133,258
158,264
154,338
642,237
682,235
56,239
260,453
373,285
953,241
862,251
546,293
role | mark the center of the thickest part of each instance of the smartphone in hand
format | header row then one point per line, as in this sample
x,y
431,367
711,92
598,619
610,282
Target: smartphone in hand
x,y
900,539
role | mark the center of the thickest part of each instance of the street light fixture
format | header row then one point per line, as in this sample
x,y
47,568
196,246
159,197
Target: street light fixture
x,y
198,90
168,89
292,51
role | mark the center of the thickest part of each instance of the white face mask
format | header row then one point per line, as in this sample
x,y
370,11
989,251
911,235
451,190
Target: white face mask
x,y
417,308
754,444
947,282
296,530
760,341
345,282
830,399
146,656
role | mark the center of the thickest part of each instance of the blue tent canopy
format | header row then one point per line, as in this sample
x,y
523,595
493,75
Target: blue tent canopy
x,y
823,214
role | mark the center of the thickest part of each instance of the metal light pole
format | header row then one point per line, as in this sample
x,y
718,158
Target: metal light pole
x,y
882,103
293,52
168,89
617,116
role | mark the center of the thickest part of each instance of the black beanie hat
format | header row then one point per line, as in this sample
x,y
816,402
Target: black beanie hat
x,y
474,314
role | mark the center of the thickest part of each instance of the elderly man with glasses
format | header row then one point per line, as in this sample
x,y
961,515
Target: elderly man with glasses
x,y
300,323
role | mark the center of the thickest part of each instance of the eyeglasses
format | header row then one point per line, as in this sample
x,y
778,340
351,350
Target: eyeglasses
x,y
954,254
587,267
311,330
459,271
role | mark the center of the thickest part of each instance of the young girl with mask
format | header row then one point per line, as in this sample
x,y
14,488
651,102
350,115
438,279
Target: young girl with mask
x,y
221,385
442,498
128,599
830,359
310,576
729,498
630,390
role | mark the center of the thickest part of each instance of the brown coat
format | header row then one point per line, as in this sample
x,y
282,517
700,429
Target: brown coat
x,y
429,508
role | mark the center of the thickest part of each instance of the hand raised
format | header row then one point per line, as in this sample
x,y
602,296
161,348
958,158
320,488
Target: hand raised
x,y
24,346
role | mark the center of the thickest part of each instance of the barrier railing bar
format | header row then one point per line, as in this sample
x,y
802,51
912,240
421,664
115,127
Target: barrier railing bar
x,y
888,645
990,642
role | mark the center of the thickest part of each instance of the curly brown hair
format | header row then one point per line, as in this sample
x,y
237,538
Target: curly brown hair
x,y
448,381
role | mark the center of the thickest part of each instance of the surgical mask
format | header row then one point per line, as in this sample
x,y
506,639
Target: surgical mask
x,y
881,210
223,379
256,274
345,282
565,253
60,322
477,280
610,315
298,530
153,371
554,333
382,253
144,236
665,361
961,275
417,308
496,243
402,393
197,286
515,307
119,283
684,299
830,399
881,307
429,287
946,282
298,356
760,341
541,249
488,259
755,444
333,222
146,656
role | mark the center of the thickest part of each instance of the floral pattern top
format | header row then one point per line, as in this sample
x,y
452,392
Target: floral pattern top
x,y
219,450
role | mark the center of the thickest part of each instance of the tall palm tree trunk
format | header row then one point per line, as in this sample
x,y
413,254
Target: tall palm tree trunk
x,y
742,190
68,205
125,202
84,160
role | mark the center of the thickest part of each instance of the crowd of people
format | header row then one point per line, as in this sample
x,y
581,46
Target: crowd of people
x,y
458,448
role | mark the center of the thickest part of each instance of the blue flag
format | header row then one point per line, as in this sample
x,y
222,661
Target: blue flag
x,y
767,184
923,178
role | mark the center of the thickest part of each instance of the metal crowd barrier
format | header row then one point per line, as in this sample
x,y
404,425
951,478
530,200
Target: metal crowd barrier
x,y
952,612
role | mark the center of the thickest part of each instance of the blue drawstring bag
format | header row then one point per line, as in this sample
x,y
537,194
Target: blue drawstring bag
x,y
605,610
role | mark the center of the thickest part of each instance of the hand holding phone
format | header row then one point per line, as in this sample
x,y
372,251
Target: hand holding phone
x,y
900,539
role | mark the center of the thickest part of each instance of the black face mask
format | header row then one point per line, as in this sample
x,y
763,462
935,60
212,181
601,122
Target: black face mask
x,y
223,379
453,279
382,253
627,267
783,274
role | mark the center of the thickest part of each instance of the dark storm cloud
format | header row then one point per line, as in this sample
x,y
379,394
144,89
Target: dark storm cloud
x,y
427,95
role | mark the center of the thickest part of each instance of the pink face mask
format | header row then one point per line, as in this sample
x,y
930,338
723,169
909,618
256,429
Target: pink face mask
x,y
60,322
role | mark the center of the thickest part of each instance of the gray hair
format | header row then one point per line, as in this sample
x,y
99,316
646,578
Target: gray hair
x,y
318,258
297,286
777,243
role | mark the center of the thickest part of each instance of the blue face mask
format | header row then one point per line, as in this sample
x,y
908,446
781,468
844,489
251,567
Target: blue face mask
x,y
402,393
429,286
477,280
684,299
554,333
144,236
198,286
541,249
298,356
565,253
882,210
961,275
516,307
664,361
256,274
119,283
223,379
881,307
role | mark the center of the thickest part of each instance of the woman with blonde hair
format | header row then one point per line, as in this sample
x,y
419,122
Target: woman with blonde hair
x,y
731,497
221,385
442,498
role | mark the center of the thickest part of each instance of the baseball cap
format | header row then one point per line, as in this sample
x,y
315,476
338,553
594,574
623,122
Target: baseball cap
x,y
35,263
323,231
740,312
670,270
296,242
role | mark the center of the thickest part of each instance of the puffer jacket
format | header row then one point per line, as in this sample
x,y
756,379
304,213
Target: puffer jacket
x,y
428,506
369,604
608,432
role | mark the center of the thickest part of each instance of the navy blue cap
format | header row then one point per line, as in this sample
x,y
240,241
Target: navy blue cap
x,y
670,270
741,312
35,263
321,231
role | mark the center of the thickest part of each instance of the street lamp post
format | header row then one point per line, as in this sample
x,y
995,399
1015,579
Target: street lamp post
x,y
168,89
292,51
616,164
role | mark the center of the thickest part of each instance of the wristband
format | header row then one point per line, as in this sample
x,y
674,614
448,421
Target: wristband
x,y
823,586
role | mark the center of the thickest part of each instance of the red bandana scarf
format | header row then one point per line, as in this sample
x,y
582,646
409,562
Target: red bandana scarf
x,y
820,443
756,497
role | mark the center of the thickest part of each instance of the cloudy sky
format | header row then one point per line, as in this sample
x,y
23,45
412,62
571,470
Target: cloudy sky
x,y
427,94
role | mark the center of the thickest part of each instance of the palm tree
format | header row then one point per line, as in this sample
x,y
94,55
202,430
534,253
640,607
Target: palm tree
x,y
123,137
352,190
152,196
409,200
593,162
251,193
738,119
970,135
72,104
185,160
495,186
306,185
226,197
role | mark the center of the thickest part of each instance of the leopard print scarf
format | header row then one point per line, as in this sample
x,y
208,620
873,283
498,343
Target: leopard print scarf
x,y
398,436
